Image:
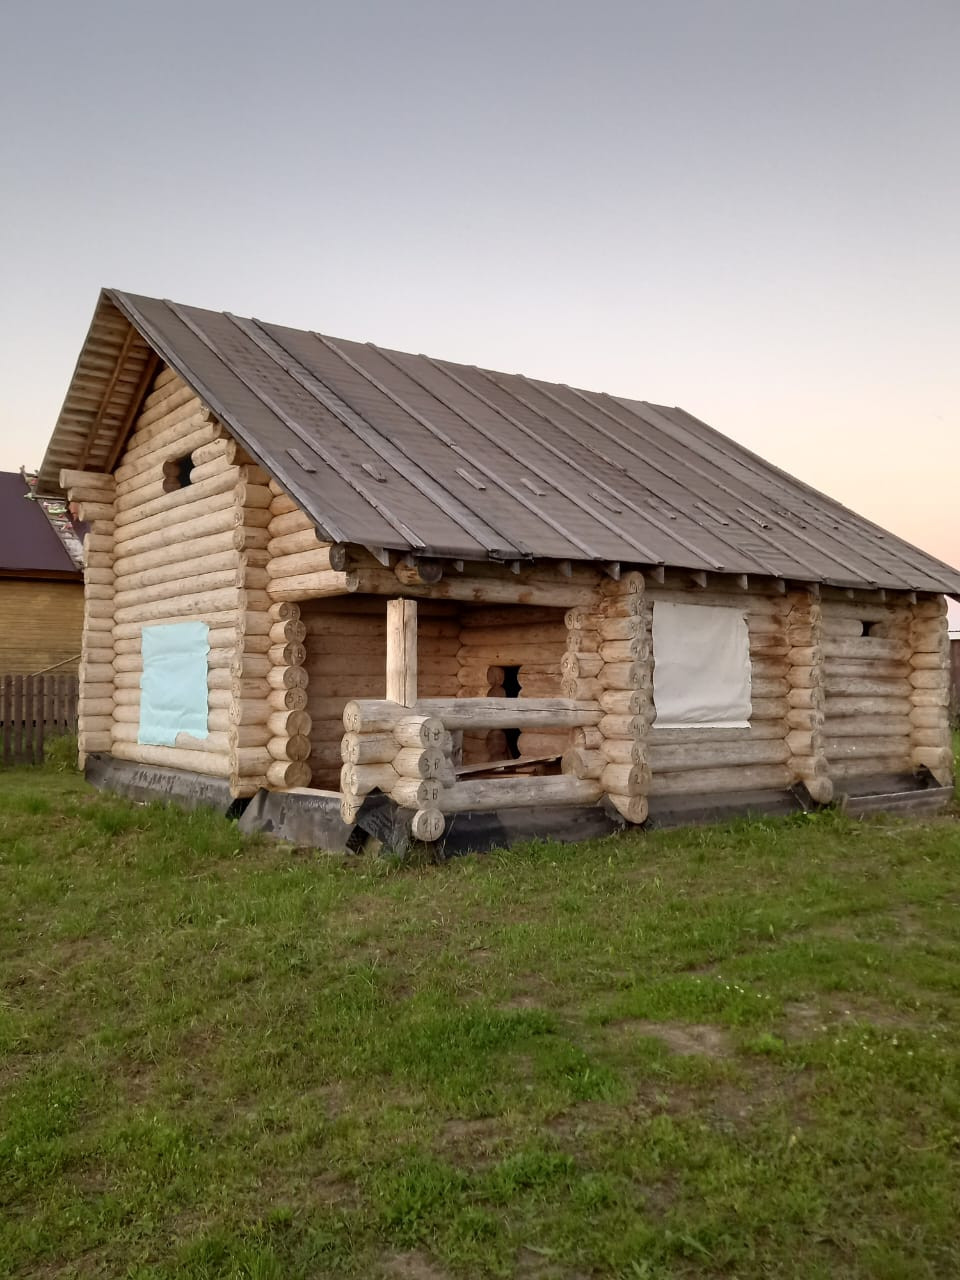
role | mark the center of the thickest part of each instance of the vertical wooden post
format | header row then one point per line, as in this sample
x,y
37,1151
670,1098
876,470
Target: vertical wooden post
x,y
402,652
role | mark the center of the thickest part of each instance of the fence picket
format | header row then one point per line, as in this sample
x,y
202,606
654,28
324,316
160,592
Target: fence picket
x,y
32,710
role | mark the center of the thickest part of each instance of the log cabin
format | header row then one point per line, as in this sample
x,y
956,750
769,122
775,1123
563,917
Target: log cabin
x,y
473,605
41,584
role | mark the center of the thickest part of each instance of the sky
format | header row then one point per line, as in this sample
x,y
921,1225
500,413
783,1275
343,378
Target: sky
x,y
745,207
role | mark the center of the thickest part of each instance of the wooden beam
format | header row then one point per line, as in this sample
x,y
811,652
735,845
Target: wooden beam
x,y
612,569
659,574
133,412
381,554
699,578
402,652
105,402
743,582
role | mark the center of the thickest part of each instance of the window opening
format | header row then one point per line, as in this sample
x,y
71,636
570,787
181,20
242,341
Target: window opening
x,y
177,473
511,689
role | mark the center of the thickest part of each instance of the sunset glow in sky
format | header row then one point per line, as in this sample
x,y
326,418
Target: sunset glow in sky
x,y
746,208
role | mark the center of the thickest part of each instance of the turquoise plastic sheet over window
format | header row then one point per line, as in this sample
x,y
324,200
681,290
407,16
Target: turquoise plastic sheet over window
x,y
173,686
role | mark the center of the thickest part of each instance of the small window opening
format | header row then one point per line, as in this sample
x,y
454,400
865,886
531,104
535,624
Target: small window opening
x,y
177,473
511,689
868,628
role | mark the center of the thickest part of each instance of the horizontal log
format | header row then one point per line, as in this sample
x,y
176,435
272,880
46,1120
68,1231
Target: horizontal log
x,y
835,748
289,747
867,648
427,825
289,544
283,775
228,599
511,655
175,505
416,793
525,634
503,713
308,586
716,755
625,779
181,438
479,590
361,779
284,522
866,766
870,726
928,717
419,762
837,707
854,687
419,731
287,723
837,668
635,809
734,778
768,709
319,559
91,482
583,763
368,748
939,737
207,762
485,794
939,760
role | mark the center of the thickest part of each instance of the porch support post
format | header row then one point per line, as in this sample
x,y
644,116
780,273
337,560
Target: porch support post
x,y
402,652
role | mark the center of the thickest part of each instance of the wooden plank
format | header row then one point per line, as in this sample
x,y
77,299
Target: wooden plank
x,y
499,766
5,707
402,651
16,718
44,703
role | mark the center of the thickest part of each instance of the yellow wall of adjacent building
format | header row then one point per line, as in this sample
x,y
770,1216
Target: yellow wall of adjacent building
x,y
40,625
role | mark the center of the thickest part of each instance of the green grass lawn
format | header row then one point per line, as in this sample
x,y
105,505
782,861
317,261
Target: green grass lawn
x,y
731,1051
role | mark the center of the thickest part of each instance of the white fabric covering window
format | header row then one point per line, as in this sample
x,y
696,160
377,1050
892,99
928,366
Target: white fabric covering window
x,y
701,674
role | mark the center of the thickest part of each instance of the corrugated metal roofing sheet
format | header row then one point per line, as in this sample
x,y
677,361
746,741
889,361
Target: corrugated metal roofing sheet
x,y
28,541
393,450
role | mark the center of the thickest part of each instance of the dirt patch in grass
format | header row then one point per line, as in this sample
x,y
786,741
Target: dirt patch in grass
x,y
804,1019
685,1038
472,1142
411,1266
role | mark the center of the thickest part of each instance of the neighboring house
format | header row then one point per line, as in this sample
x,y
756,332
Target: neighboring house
x,y
612,596
41,584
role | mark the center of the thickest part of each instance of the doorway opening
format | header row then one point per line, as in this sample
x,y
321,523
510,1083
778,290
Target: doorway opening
x,y
511,689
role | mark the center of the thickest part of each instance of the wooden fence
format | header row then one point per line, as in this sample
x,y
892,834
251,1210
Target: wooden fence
x,y
32,709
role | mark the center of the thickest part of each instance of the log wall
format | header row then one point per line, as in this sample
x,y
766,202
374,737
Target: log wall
x,y
867,686
346,657
688,761
160,550
841,689
531,639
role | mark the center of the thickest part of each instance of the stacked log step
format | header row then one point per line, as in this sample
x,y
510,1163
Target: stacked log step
x,y
406,753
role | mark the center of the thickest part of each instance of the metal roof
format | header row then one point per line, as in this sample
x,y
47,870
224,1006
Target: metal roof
x,y
29,544
407,452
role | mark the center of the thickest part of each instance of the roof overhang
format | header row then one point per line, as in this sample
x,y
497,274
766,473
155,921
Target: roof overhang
x,y
113,372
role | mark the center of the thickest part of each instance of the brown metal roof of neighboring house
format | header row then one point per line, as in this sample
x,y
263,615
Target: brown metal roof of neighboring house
x,y
400,451
29,545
